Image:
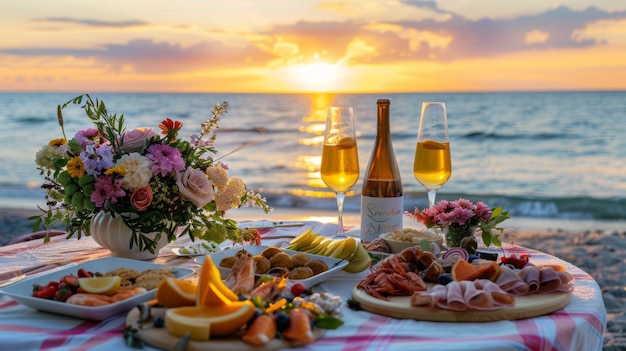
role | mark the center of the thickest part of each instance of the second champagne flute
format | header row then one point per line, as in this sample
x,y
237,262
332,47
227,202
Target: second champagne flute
x,y
432,166
340,159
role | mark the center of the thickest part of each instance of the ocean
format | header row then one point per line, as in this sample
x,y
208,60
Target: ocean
x,y
545,155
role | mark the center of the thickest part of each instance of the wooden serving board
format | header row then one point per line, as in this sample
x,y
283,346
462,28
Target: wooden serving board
x,y
160,338
400,307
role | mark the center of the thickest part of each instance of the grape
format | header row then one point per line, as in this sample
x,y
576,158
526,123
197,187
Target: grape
x,y
444,279
158,321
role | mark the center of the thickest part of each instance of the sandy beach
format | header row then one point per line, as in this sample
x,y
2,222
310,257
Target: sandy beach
x,y
598,248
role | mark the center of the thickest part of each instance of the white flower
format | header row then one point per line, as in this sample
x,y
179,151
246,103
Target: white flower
x,y
229,196
137,168
194,185
218,175
46,155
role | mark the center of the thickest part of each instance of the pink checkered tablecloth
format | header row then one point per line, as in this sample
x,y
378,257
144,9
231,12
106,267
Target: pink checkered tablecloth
x,y
578,326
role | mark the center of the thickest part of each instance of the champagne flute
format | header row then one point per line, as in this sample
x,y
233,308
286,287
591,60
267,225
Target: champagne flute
x,y
340,159
432,166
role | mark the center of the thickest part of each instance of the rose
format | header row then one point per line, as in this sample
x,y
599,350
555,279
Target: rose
x,y
194,185
141,198
134,140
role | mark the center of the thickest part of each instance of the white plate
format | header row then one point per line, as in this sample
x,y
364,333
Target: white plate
x,y
22,291
178,251
334,264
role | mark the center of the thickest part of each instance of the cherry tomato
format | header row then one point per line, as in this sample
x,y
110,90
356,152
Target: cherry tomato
x,y
298,289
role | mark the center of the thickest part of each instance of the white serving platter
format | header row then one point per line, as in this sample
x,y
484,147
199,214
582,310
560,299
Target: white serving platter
x,y
22,291
334,264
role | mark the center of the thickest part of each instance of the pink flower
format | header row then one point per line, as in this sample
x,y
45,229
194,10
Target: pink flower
x,y
165,159
195,186
142,198
453,213
88,136
107,189
483,211
134,140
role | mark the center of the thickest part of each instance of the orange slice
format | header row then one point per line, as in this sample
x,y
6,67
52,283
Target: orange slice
x,y
203,322
462,270
173,292
210,273
490,270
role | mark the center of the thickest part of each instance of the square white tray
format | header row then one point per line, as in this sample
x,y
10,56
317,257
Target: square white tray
x,y
22,292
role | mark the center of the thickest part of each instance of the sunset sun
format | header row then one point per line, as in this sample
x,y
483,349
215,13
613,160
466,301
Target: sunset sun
x,y
317,72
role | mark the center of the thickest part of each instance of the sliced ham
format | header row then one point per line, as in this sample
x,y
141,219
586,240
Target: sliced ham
x,y
430,297
510,281
456,300
479,295
554,281
497,294
531,276
567,281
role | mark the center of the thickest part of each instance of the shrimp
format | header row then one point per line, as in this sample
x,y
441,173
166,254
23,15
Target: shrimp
x,y
240,279
124,294
270,290
85,299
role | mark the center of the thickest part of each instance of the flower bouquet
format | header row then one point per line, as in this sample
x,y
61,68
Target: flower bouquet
x,y
459,219
157,183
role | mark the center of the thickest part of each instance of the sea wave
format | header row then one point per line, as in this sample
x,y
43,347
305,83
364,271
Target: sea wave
x,y
571,208
556,207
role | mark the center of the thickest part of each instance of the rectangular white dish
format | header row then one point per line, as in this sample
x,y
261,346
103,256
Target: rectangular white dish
x,y
22,291
334,264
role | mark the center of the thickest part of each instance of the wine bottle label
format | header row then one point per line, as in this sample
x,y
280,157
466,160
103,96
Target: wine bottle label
x,y
380,215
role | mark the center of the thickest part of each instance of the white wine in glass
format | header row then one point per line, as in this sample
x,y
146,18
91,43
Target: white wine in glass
x,y
340,159
432,166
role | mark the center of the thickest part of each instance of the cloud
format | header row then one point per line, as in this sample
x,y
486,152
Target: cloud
x,y
145,56
442,36
489,37
94,23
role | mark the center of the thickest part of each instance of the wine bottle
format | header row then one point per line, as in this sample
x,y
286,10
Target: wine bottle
x,y
382,200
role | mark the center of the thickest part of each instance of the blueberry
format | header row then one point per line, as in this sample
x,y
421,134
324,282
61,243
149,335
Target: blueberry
x,y
158,321
444,278
242,297
282,321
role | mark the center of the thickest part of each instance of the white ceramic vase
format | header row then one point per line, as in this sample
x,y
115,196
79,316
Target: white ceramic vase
x,y
113,234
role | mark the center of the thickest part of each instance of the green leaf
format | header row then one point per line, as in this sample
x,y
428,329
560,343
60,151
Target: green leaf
x,y
487,239
325,322
495,212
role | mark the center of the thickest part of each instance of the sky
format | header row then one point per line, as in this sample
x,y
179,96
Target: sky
x,y
278,46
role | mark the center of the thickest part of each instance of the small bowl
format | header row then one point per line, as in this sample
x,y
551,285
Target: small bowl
x,y
399,240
